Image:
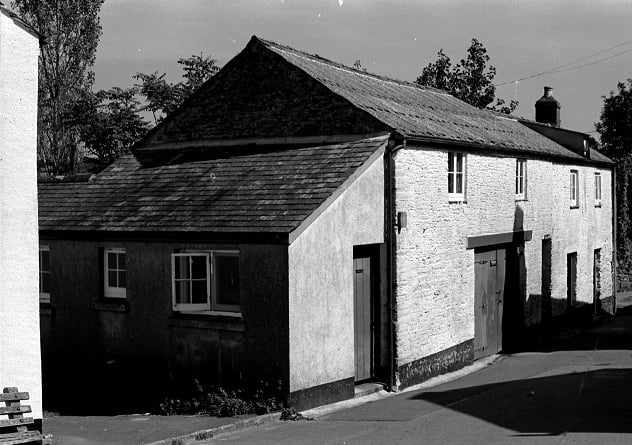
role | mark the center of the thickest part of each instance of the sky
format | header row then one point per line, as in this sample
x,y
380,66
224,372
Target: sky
x,y
396,38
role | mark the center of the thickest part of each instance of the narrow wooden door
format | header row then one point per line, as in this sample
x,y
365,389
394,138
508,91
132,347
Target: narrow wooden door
x,y
596,280
571,280
363,338
489,272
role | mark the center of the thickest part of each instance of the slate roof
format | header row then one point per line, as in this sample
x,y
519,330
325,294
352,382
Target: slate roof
x,y
417,111
236,190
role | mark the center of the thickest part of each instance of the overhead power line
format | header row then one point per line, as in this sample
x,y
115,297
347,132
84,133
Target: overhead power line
x,y
568,66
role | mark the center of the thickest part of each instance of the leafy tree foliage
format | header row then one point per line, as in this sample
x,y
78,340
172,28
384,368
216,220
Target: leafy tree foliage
x,y
615,129
163,97
72,33
469,80
114,123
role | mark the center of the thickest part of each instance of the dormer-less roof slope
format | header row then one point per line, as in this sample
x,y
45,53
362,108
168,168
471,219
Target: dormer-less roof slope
x,y
237,190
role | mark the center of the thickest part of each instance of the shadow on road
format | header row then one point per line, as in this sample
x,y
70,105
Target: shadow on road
x,y
549,406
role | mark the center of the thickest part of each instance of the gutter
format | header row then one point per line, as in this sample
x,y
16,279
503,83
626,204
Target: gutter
x,y
389,228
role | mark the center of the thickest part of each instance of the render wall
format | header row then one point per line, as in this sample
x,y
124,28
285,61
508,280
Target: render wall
x,y
435,270
19,289
321,276
140,344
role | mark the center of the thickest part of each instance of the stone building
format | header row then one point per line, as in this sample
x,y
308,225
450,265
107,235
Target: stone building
x,y
19,314
302,222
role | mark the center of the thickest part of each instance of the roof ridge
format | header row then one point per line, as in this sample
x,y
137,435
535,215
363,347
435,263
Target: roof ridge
x,y
341,66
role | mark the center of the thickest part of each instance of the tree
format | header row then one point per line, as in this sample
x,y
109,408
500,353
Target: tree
x,y
615,129
114,123
470,80
72,33
162,98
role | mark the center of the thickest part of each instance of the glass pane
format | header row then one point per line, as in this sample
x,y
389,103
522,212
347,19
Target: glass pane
x,y
111,278
517,186
45,264
45,283
450,162
227,279
121,261
200,292
198,267
111,260
459,162
182,267
450,182
182,292
122,279
459,183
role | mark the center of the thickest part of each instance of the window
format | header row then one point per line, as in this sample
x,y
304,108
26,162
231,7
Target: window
x,y
205,281
44,274
574,188
114,273
456,176
597,189
521,179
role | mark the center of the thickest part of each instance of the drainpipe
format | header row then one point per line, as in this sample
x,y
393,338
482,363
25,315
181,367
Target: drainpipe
x,y
389,203
613,193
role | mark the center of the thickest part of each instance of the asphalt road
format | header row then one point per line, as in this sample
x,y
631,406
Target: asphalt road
x,y
576,388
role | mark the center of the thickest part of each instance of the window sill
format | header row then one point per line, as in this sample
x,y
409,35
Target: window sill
x,y
598,205
208,320
111,305
45,308
574,207
521,199
457,201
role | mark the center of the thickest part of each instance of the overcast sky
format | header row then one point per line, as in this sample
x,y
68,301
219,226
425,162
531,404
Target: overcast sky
x,y
396,38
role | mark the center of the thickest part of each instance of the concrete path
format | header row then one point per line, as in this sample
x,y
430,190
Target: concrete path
x,y
576,388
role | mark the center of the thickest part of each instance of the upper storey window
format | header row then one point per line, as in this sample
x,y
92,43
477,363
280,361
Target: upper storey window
x,y
456,176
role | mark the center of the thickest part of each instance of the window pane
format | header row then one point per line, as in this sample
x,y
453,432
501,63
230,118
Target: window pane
x,y
459,162
198,267
44,256
182,292
459,183
111,278
450,182
121,261
200,292
227,279
182,267
450,162
111,260
45,283
122,278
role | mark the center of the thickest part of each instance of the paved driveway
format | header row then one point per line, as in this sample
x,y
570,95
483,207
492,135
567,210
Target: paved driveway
x,y
576,388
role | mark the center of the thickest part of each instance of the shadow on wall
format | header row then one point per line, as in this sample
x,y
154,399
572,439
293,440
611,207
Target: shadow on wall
x,y
515,287
548,406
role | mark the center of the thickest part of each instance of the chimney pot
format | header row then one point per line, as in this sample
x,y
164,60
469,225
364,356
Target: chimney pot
x,y
547,109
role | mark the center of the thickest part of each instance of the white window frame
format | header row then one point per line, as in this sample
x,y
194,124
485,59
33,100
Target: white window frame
x,y
113,291
456,196
574,188
44,297
521,179
597,189
211,306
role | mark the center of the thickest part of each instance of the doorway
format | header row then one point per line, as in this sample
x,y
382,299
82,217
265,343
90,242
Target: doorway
x,y
571,280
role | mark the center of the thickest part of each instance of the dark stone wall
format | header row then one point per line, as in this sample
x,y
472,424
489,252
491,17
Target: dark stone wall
x,y
259,94
141,344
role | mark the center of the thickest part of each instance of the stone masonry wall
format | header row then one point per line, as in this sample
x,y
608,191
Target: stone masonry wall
x,y
435,271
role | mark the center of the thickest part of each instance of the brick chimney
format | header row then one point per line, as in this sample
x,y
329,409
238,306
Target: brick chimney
x,y
547,109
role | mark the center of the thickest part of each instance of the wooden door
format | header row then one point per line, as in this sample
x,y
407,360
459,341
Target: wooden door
x,y
596,280
571,280
489,272
363,317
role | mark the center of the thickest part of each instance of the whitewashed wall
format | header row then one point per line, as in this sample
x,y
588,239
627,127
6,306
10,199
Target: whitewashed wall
x,y
19,291
435,271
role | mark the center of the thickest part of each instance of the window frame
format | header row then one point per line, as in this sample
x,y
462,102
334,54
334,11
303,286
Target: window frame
x,y
453,174
44,297
521,180
574,189
597,189
211,306
113,291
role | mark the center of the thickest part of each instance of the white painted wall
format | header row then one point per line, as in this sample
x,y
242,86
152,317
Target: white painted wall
x,y
321,281
435,271
19,289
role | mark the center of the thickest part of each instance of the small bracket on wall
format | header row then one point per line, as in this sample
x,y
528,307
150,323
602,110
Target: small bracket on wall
x,y
402,221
